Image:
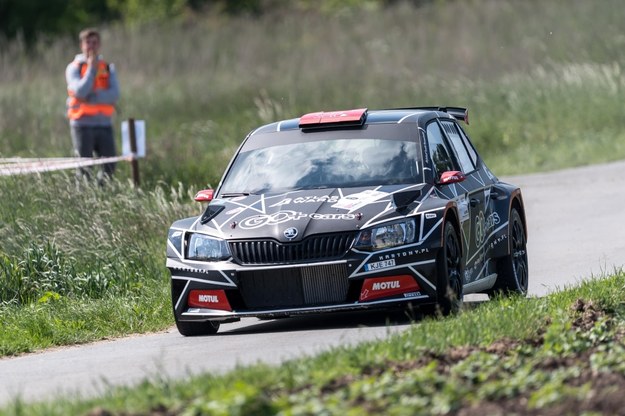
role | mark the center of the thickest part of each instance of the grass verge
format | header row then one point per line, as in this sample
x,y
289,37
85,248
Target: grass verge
x,y
56,321
562,354
81,263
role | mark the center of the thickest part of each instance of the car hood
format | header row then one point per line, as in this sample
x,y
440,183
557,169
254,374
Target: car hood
x,y
292,216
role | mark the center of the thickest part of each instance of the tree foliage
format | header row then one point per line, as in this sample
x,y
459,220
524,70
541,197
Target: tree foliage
x,y
29,19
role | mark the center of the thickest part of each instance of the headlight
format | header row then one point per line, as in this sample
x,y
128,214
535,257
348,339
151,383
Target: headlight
x,y
386,236
205,248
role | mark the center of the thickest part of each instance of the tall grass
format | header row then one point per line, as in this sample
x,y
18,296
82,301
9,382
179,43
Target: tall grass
x,y
543,80
82,240
79,263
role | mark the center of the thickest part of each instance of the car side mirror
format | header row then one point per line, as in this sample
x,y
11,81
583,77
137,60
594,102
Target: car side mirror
x,y
205,195
452,176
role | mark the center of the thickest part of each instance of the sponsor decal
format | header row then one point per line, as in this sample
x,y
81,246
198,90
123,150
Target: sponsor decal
x,y
235,211
483,225
381,287
491,221
463,208
209,299
497,240
430,215
280,217
380,265
425,152
355,201
412,294
307,199
401,254
479,229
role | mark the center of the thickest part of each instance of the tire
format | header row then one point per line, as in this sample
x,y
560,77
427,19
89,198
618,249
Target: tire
x,y
192,329
449,287
512,270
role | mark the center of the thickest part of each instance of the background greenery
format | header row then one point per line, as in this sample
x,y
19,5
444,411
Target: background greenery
x,y
543,82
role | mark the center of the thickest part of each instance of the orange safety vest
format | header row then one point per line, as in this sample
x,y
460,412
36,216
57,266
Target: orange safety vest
x,y
77,108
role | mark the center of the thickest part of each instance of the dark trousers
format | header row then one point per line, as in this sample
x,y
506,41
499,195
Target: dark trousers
x,y
90,141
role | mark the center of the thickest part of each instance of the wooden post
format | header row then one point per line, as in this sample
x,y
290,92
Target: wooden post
x,y
133,149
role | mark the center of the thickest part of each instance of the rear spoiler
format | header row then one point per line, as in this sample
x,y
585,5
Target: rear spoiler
x,y
459,113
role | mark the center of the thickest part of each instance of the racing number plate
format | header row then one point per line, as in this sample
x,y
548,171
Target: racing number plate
x,y
380,265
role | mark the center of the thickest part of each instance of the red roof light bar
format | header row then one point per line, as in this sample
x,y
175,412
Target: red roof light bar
x,y
321,119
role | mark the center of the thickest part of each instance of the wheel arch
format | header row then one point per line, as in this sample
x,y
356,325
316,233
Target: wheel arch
x,y
451,215
516,201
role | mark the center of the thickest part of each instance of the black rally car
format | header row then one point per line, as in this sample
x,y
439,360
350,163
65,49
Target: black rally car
x,y
348,210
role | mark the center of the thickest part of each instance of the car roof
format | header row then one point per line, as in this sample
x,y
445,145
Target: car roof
x,y
388,116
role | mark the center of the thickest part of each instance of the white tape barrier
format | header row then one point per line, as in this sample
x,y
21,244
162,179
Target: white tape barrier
x,y
23,166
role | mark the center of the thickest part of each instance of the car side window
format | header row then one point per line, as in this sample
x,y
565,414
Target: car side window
x,y
467,163
439,150
468,145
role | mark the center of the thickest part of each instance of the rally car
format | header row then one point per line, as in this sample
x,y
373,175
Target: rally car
x,y
348,210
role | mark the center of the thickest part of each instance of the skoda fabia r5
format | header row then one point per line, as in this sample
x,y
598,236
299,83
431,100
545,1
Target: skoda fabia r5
x,y
348,210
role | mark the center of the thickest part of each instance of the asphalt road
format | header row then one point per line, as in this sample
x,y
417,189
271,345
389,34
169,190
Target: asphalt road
x,y
576,231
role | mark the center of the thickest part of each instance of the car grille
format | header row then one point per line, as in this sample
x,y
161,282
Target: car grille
x,y
294,287
319,247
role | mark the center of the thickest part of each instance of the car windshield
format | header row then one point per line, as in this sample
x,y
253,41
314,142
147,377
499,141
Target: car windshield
x,y
320,164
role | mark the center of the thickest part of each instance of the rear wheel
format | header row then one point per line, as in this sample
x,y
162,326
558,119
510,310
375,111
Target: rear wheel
x,y
449,266
512,270
191,329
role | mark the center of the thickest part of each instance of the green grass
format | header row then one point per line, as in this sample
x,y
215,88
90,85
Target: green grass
x,y
78,265
544,83
54,320
529,356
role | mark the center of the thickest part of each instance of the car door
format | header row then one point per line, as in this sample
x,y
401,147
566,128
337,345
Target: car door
x,y
444,159
476,188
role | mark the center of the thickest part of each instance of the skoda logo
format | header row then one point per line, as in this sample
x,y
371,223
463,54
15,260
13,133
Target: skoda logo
x,y
290,233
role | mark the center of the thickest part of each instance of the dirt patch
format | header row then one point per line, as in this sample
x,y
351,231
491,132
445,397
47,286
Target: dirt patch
x,y
603,391
587,314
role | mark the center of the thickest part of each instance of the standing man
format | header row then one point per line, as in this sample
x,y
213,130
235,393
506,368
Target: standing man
x,y
92,93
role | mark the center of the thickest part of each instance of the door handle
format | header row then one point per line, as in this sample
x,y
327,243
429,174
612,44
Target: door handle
x,y
474,202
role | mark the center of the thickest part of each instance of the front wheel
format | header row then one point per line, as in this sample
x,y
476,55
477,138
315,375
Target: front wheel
x,y
192,329
512,270
449,286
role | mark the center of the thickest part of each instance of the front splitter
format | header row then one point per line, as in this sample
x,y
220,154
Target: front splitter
x,y
201,314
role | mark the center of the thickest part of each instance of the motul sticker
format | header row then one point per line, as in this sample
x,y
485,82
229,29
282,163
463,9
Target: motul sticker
x,y
209,299
382,287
